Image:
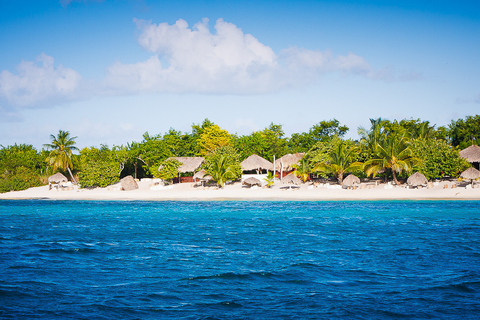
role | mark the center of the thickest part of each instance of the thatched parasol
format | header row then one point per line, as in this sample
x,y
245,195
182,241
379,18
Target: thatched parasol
x,y
351,180
291,179
286,162
57,178
471,174
255,162
252,181
417,179
189,164
202,175
471,154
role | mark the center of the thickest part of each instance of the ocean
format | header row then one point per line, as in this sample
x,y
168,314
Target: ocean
x,y
239,260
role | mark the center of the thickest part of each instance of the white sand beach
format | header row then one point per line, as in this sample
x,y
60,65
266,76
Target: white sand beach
x,y
187,192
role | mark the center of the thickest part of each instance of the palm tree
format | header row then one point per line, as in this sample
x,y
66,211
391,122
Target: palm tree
x,y
302,169
392,153
340,161
60,155
221,170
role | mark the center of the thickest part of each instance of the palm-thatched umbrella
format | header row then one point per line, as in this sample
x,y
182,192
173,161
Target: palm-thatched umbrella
x,y
471,174
291,179
188,164
252,182
57,178
471,154
202,175
351,180
255,162
417,179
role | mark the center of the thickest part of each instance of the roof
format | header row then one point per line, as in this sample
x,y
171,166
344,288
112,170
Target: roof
x,y
350,180
255,162
417,179
291,179
470,173
288,161
57,178
189,164
471,154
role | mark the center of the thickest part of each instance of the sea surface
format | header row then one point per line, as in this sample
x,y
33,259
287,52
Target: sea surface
x,y
239,260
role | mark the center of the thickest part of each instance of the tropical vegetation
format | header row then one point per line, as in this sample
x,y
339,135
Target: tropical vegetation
x,y
391,149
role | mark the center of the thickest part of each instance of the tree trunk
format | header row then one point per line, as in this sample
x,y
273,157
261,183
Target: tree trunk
x,y
340,178
71,175
135,165
395,178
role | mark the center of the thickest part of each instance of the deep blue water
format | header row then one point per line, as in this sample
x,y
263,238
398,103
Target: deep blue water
x,y
239,260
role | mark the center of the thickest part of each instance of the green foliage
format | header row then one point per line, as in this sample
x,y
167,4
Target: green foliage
x,y
465,132
212,138
254,143
168,170
99,167
61,147
20,178
223,165
303,169
274,142
392,153
270,179
20,167
339,160
438,158
98,174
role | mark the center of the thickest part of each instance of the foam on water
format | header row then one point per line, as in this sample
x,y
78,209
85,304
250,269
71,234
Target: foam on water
x,y
240,260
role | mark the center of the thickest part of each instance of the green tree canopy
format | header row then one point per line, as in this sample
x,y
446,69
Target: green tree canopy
x,y
212,138
61,147
465,132
223,165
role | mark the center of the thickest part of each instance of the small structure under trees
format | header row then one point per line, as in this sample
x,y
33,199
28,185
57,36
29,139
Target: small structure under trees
x,y
286,162
472,155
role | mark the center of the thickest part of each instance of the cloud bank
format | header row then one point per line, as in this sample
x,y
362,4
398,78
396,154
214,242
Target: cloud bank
x,y
195,59
37,84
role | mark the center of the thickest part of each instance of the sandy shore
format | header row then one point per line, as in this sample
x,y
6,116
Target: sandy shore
x,y
187,192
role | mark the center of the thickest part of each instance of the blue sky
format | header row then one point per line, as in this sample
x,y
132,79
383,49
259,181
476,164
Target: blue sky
x,y
108,71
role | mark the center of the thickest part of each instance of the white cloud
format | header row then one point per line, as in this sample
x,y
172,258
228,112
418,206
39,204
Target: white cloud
x,y
38,83
226,61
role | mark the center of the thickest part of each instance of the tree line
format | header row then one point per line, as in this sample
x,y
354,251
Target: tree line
x,y
390,149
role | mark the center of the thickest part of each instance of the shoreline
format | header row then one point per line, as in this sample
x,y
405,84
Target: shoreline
x,y
235,192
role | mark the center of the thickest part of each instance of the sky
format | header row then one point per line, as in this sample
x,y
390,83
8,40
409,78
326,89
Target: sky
x,y
109,71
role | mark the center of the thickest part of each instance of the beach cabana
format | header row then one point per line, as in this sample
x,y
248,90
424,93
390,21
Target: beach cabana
x,y
417,179
470,174
286,162
202,176
472,155
256,163
351,180
252,182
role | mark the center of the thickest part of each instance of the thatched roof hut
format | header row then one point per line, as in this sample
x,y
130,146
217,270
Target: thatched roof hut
x,y
288,161
189,164
351,180
255,162
417,179
470,174
291,179
57,178
471,154
252,182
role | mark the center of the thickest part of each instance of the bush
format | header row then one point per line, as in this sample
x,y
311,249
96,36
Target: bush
x,y
99,174
20,179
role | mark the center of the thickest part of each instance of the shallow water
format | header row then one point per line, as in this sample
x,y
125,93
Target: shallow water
x,y
239,260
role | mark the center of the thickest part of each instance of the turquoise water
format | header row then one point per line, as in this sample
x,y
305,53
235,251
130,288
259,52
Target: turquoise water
x,y
239,260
